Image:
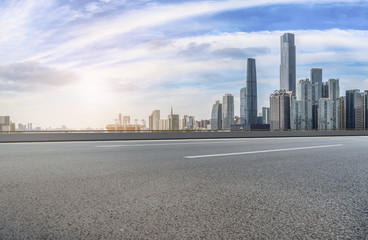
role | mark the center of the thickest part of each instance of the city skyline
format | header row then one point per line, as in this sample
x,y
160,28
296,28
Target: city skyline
x,y
85,65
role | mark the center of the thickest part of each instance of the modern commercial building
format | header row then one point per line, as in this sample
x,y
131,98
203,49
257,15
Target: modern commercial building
x,y
243,104
154,120
296,114
251,109
188,122
328,118
342,113
325,91
316,79
354,109
228,111
333,89
266,115
173,121
288,63
5,124
280,110
303,94
216,116
164,124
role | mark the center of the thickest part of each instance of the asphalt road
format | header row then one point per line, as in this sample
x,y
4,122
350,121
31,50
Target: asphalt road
x,y
284,188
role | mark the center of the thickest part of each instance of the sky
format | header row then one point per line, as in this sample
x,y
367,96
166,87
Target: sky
x,y
81,63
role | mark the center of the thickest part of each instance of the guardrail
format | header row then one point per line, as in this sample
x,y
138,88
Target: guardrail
x,y
64,136
174,131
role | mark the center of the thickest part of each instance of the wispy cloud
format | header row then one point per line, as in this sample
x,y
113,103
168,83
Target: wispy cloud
x,y
32,76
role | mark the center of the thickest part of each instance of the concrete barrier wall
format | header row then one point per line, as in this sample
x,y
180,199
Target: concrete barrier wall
x,y
61,137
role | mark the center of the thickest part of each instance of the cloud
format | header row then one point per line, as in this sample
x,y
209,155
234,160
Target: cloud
x,y
31,75
240,53
194,49
122,85
203,50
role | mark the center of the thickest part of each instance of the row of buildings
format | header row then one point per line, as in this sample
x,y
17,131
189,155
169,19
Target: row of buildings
x,y
174,123
311,104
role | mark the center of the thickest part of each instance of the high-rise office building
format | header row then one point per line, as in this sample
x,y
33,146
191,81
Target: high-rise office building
x,y
342,113
325,91
280,110
296,114
154,120
227,111
5,124
251,109
354,109
328,118
316,79
266,115
304,94
333,89
216,116
243,104
288,63
173,121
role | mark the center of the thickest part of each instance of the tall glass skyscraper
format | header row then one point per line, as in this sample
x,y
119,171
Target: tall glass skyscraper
x,y
251,109
353,111
288,63
216,116
227,111
243,104
316,78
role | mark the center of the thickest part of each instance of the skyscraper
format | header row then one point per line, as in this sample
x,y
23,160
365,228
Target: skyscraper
x,y
243,104
288,63
154,120
328,119
227,111
266,115
342,113
304,94
173,121
316,78
296,114
354,109
216,116
333,89
251,109
325,91
280,110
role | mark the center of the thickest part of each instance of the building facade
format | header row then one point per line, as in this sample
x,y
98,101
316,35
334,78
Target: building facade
x,y
216,116
243,104
227,111
304,94
288,63
154,120
251,109
266,115
280,110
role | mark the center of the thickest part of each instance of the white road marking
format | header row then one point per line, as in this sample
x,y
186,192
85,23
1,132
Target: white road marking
x,y
263,151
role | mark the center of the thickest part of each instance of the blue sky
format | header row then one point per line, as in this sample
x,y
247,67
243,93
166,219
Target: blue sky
x,y
80,63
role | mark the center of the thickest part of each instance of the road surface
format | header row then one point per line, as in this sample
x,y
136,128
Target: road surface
x,y
270,188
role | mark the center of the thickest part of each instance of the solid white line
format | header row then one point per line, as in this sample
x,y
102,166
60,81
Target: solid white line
x,y
263,151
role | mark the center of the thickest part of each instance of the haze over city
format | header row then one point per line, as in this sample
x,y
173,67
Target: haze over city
x,y
81,63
